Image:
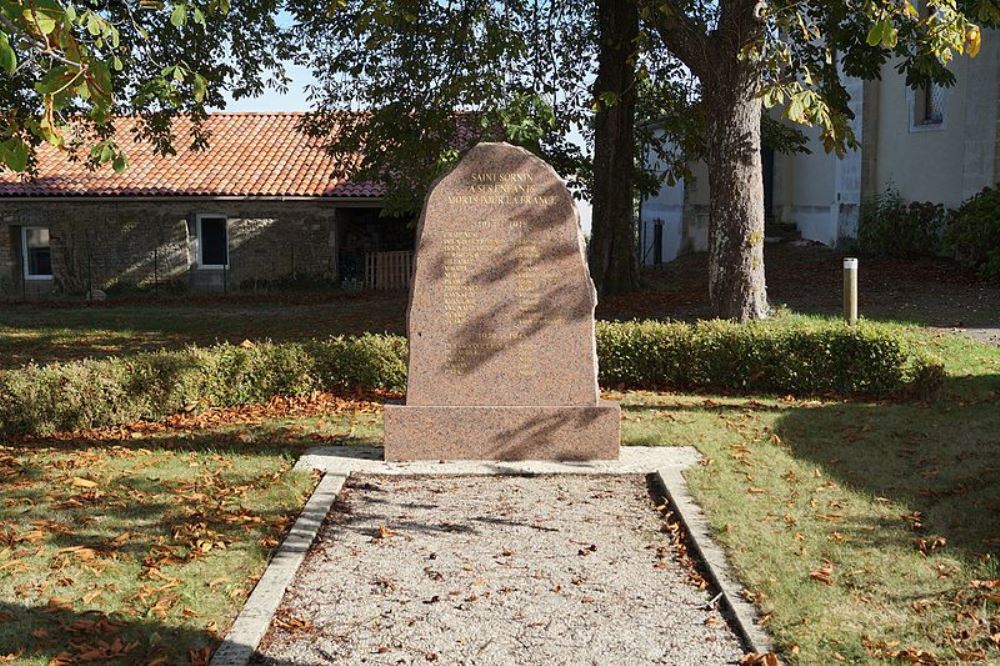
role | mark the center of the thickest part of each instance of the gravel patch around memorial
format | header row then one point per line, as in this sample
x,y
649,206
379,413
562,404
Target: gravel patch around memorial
x,y
497,570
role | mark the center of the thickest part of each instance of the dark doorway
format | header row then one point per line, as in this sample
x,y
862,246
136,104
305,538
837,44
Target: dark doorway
x,y
361,231
214,239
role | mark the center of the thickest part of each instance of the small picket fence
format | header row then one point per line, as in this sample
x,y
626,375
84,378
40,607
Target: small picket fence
x,y
388,271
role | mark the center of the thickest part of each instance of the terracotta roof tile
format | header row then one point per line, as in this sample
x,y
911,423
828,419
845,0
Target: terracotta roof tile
x,y
249,154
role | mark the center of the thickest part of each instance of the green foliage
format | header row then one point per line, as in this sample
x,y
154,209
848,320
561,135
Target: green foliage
x,y
772,357
512,71
68,68
370,362
83,394
781,137
434,78
794,56
890,227
973,234
762,357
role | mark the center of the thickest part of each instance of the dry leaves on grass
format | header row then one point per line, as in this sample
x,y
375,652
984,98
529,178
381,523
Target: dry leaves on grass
x,y
927,546
823,574
317,403
760,659
197,503
893,650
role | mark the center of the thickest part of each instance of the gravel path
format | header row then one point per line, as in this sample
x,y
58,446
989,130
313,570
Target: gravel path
x,y
990,336
498,570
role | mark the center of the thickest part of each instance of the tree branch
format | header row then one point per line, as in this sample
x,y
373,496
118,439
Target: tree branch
x,y
684,36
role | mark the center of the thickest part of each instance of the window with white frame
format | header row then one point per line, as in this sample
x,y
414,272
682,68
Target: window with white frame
x,y
213,241
37,253
928,105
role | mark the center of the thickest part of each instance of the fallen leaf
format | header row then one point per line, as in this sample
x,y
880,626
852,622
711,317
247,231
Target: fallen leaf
x,y
760,659
823,575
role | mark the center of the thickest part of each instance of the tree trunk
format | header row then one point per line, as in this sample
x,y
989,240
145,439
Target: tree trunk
x,y
736,198
613,263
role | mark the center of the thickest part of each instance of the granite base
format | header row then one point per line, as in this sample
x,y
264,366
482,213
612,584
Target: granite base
x,y
418,432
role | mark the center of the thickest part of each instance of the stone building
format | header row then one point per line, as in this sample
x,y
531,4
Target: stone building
x,y
936,144
257,208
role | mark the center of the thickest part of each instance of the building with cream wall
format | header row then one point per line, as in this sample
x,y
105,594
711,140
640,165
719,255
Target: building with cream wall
x,y
935,145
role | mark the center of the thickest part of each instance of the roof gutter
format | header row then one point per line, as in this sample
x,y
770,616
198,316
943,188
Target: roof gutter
x,y
111,198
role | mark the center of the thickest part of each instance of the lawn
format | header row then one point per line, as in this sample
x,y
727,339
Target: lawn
x,y
57,332
140,544
800,279
859,528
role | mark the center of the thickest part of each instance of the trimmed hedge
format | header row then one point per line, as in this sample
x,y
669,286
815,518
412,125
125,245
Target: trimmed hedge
x,y
768,357
94,393
813,358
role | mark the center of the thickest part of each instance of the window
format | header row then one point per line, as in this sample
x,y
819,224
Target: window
x,y
928,102
929,106
37,253
213,241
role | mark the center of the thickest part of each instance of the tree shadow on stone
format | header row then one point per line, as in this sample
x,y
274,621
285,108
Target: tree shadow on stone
x,y
511,298
524,442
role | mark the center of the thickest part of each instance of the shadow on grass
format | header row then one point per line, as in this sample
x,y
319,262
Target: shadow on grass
x,y
940,459
53,334
43,633
268,439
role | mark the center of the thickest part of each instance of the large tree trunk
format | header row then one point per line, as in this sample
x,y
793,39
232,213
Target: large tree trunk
x,y
736,191
613,262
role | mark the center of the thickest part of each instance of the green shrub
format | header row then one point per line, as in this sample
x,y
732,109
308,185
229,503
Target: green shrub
x,y
972,237
784,357
890,227
93,393
800,358
369,362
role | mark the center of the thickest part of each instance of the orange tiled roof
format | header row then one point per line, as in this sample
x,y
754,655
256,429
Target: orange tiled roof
x,y
249,154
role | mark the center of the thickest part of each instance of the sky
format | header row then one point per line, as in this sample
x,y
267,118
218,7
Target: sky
x,y
295,100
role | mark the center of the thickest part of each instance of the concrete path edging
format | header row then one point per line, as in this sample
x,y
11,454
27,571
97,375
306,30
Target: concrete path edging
x,y
742,614
667,464
253,621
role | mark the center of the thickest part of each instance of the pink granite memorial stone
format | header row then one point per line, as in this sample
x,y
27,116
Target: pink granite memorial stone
x,y
503,361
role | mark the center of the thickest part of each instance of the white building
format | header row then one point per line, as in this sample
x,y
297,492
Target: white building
x,y
939,145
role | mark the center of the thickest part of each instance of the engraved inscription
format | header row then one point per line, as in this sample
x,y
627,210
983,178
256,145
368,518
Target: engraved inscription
x,y
467,257
501,189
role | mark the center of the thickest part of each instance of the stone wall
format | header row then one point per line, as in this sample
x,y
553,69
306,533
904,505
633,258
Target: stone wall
x,y
7,264
108,244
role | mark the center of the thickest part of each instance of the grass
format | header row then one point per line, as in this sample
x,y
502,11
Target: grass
x,y
141,545
858,527
48,334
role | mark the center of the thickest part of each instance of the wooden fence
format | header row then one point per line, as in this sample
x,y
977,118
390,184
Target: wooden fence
x,y
388,271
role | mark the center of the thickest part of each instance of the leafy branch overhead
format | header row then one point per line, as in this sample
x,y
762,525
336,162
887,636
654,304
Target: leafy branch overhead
x,y
810,46
67,68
